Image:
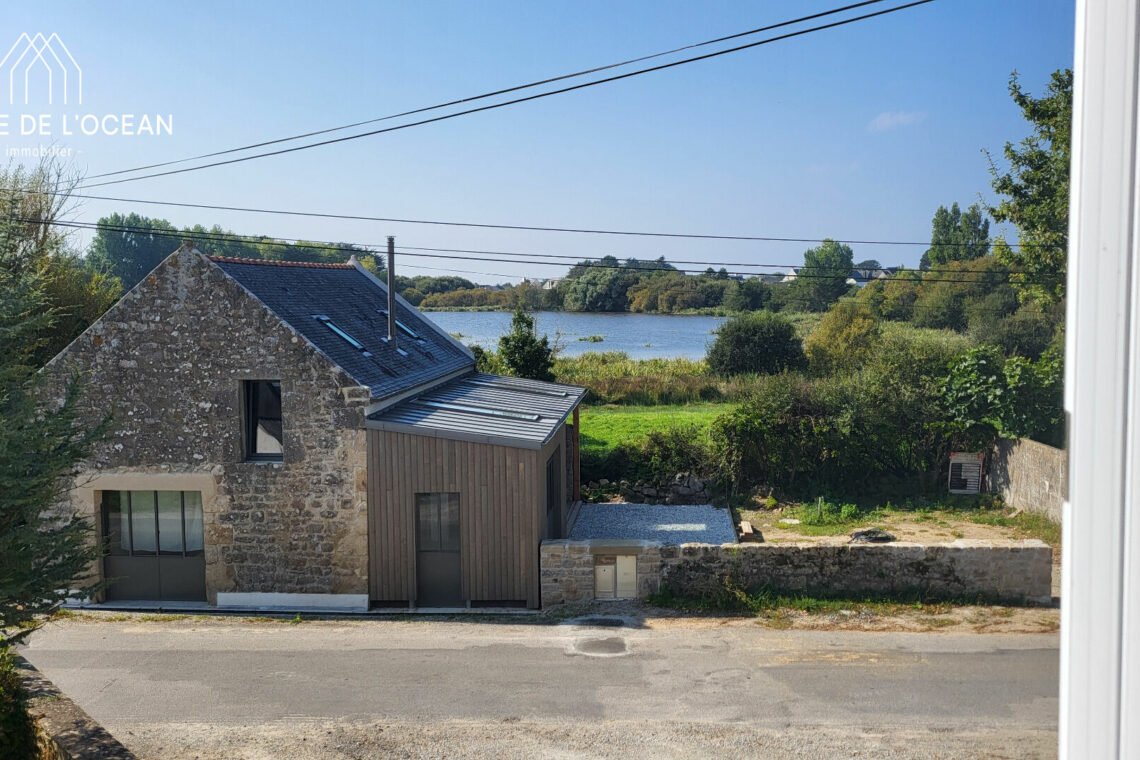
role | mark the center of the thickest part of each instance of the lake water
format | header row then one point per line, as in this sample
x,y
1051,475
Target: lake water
x,y
642,336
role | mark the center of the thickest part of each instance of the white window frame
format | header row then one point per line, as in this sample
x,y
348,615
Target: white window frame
x,y
1100,621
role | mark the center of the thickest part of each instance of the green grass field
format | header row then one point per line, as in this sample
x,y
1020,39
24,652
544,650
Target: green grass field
x,y
604,427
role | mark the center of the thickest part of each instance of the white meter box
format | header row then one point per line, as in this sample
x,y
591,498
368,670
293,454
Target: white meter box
x,y
965,473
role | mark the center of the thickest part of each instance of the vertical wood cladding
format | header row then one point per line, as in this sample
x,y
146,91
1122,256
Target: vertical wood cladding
x,y
500,514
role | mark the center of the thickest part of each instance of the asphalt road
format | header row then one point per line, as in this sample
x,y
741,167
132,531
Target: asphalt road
x,y
224,688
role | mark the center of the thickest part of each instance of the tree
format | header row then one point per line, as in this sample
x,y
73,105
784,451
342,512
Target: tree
x,y
760,342
869,264
1035,190
986,395
77,297
523,353
823,278
45,552
957,236
131,255
751,294
31,245
843,339
599,289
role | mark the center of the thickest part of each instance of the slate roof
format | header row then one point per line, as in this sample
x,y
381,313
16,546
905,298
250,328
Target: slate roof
x,y
356,303
485,409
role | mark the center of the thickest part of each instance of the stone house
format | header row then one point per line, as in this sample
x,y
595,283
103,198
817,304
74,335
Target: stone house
x,y
273,445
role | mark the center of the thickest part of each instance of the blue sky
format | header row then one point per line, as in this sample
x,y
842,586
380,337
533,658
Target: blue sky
x,y
855,132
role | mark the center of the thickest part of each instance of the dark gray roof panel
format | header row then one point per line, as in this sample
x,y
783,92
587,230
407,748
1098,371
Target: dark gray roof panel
x,y
485,408
353,303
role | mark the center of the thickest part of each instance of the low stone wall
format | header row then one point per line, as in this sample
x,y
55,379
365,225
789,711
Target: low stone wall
x,y
567,567
63,730
1007,570
1030,476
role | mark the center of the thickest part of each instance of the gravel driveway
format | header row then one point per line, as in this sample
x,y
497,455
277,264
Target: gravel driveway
x,y
671,524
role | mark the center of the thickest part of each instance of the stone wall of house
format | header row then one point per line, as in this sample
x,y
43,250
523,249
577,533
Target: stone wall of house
x,y
1030,476
167,362
1010,570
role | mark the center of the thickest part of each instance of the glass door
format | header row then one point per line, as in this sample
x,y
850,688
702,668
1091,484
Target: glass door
x,y
155,548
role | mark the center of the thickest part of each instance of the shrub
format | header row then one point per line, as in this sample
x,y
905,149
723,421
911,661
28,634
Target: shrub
x,y
17,731
657,458
941,305
486,360
523,353
844,339
844,434
1027,332
675,449
986,395
796,433
827,513
761,343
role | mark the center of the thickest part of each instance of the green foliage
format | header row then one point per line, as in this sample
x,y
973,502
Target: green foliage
x,y
76,295
486,361
761,343
1024,331
893,297
794,432
31,246
823,278
957,236
1035,190
751,294
17,729
44,553
129,256
615,439
826,512
524,354
986,395
611,377
975,297
844,339
598,289
844,434
675,449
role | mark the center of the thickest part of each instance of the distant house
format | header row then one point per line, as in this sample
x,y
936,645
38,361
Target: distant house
x,y
858,277
862,277
273,445
551,283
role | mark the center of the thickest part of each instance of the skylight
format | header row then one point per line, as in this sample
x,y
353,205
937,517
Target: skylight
x,y
519,388
348,338
485,411
401,325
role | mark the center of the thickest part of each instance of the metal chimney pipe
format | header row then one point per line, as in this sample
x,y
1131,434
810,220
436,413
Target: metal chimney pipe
x,y
392,291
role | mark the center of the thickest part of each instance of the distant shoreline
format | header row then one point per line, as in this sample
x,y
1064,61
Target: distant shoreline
x,y
498,310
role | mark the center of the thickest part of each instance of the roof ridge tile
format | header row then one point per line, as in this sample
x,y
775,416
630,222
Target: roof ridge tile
x,y
271,263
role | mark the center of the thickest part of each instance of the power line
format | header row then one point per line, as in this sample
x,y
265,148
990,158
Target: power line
x,y
363,248
484,225
504,91
580,258
464,271
515,101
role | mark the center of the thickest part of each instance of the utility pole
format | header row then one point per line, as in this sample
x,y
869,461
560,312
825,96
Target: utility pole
x,y
392,291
